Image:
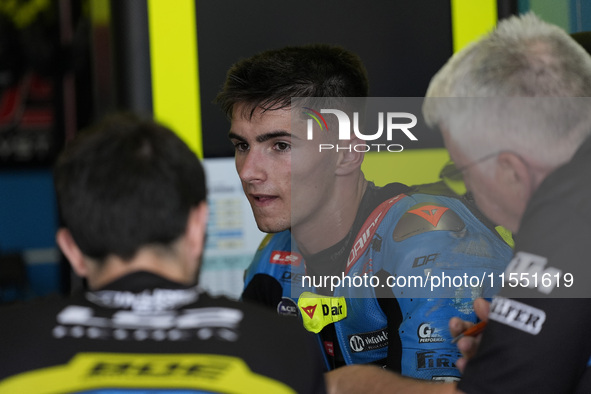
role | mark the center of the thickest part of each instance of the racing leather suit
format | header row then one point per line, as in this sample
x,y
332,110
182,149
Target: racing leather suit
x,y
400,233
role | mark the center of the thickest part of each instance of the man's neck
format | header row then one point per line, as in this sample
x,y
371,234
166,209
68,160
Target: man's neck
x,y
333,222
147,259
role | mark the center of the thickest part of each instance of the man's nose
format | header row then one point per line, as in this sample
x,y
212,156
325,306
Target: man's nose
x,y
251,167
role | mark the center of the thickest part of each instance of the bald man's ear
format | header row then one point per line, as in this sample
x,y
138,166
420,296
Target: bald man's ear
x,y
196,228
72,252
349,161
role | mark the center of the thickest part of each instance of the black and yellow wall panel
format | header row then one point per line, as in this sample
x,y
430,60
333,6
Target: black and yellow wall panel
x,y
174,62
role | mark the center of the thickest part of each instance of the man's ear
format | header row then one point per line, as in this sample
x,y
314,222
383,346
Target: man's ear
x,y
196,227
514,174
72,252
349,161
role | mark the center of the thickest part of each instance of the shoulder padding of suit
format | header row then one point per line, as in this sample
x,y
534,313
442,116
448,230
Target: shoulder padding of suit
x,y
425,217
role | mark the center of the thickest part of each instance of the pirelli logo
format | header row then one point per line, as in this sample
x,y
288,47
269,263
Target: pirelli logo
x,y
517,315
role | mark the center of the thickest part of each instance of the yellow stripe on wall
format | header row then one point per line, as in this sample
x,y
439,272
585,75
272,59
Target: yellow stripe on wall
x,y
470,19
411,167
175,80
100,12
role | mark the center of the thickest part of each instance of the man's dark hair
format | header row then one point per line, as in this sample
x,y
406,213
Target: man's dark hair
x,y
127,183
270,79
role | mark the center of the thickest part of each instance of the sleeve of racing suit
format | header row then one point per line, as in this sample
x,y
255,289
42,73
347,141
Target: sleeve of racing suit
x,y
436,248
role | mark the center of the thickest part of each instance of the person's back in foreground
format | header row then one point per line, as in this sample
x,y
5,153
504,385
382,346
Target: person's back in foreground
x,y
132,201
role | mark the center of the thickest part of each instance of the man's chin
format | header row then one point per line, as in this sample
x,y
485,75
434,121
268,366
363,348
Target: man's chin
x,y
272,227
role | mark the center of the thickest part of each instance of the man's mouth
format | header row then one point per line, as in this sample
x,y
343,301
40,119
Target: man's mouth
x,y
263,199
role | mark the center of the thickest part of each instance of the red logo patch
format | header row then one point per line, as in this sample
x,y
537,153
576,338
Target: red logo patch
x,y
329,347
283,257
310,310
430,213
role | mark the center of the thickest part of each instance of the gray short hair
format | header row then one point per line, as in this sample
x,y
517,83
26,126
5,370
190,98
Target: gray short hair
x,y
523,57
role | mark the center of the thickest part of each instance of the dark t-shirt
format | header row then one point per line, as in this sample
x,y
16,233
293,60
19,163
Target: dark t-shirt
x,y
143,332
538,339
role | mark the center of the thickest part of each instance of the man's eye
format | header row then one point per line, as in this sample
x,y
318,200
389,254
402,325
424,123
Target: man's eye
x,y
241,146
282,146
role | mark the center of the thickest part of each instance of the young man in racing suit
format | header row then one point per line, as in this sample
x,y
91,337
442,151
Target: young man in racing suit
x,y
328,221
132,199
